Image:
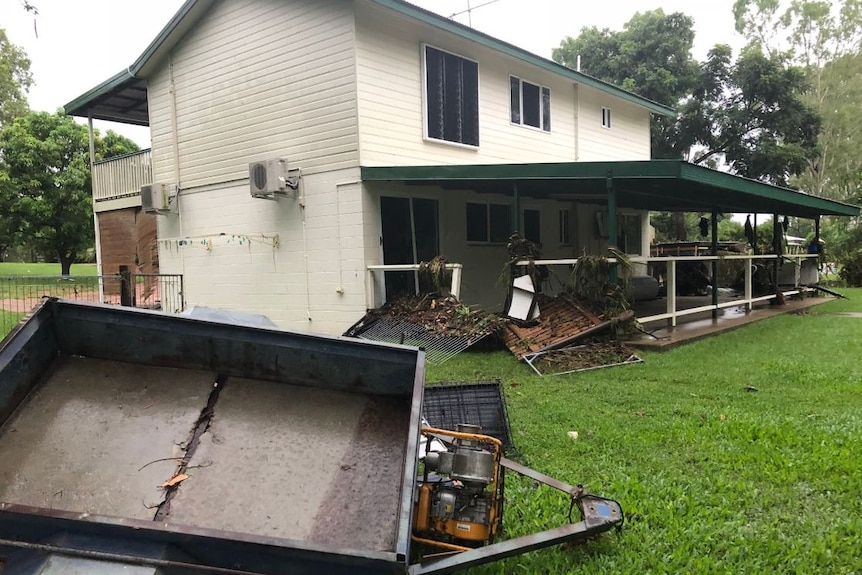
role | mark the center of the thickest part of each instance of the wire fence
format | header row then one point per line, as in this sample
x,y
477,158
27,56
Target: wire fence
x,y
20,294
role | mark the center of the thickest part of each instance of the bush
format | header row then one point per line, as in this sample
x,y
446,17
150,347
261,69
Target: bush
x,y
851,269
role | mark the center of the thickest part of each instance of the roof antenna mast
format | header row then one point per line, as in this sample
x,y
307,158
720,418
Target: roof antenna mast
x,y
469,11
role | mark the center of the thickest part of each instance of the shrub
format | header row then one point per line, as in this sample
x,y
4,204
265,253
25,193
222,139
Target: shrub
x,y
851,269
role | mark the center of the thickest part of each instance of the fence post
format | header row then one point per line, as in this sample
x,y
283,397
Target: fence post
x,y
127,288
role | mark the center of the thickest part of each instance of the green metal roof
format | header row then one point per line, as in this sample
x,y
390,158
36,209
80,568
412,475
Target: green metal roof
x,y
665,185
110,100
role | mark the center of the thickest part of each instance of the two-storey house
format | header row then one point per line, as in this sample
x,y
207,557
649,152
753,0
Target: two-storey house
x,y
407,135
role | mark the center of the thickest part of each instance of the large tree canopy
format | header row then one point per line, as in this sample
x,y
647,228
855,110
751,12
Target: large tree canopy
x,y
752,114
825,38
46,183
747,113
651,57
15,80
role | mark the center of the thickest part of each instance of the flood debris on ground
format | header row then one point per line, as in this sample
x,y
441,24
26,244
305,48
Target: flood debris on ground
x,y
584,357
442,325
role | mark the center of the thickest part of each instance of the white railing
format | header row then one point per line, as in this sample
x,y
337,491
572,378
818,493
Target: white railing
x,y
371,283
122,177
672,313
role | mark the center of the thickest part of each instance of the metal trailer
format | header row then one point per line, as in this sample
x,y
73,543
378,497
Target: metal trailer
x,y
142,443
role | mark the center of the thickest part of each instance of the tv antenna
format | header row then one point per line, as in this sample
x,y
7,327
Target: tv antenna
x,y
469,11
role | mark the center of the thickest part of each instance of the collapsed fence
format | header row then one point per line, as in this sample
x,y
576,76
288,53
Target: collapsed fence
x,y
20,294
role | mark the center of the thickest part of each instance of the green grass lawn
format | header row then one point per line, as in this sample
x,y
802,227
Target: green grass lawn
x,y
21,284
713,478
49,269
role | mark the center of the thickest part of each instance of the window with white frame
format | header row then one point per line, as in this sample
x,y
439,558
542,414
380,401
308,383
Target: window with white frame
x,y
530,104
451,98
565,238
606,118
489,223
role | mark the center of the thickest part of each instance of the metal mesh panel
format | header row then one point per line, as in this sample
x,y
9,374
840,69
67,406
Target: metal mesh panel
x,y
482,403
438,348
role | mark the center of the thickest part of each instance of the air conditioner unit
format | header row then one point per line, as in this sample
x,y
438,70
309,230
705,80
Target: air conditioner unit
x,y
159,198
267,178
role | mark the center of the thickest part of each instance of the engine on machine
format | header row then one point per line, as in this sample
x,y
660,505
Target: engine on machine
x,y
460,495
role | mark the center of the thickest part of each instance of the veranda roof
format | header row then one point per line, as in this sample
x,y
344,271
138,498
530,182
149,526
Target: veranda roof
x,y
661,185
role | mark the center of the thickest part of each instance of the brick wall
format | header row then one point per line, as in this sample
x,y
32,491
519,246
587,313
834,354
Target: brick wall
x,y
128,237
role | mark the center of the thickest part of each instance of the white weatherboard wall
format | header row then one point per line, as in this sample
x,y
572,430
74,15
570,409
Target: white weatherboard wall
x,y
313,279
390,80
389,76
254,80
628,138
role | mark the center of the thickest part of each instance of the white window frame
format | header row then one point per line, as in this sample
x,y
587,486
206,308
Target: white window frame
x,y
606,118
424,81
541,127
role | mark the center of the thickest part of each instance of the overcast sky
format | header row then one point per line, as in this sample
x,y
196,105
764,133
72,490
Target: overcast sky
x,y
81,43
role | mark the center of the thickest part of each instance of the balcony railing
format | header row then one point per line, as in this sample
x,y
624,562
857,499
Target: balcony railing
x,y
373,284
748,299
122,177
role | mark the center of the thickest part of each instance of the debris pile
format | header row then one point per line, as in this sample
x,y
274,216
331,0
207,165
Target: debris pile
x,y
581,358
443,316
441,325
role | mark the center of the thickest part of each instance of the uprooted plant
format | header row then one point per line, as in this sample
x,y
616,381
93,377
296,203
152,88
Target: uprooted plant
x,y
435,274
590,281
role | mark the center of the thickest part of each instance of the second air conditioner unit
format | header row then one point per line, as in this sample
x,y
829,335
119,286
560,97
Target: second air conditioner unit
x,y
159,198
267,178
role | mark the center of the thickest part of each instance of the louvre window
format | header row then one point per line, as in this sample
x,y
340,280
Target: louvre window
x,y
451,97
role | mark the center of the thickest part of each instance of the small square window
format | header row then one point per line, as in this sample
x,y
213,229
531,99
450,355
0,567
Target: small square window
x,y
606,118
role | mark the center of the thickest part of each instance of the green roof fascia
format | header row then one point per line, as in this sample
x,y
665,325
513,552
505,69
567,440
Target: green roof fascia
x,y
474,35
702,175
540,171
100,90
677,170
193,7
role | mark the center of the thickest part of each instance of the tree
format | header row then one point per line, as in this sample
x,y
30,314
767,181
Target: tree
x,y
47,187
825,37
748,113
651,57
15,80
752,114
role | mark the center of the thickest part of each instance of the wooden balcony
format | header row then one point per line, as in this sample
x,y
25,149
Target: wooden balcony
x,y
121,178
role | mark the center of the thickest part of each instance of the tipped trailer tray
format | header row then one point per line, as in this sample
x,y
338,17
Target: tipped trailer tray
x,y
147,444
298,451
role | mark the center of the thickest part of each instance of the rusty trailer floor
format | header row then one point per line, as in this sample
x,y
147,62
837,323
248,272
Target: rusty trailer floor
x,y
270,459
